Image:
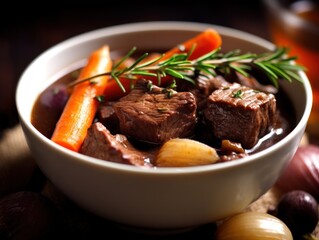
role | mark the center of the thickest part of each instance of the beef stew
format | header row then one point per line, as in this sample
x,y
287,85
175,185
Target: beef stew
x,y
132,129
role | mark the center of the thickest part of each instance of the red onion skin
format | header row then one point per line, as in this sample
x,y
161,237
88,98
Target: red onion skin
x,y
55,97
302,172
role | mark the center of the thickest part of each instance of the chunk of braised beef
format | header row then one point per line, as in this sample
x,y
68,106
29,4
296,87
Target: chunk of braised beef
x,y
240,114
250,81
100,143
203,87
106,115
153,114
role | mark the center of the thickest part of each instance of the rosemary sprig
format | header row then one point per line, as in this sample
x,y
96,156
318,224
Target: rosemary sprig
x,y
275,65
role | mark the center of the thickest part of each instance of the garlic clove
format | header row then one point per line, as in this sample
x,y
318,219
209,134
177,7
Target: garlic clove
x,y
183,152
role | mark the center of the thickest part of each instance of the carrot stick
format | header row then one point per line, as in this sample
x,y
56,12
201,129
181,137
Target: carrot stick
x,y
204,42
81,107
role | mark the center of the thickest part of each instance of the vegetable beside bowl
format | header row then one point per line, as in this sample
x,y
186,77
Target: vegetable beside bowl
x,y
155,198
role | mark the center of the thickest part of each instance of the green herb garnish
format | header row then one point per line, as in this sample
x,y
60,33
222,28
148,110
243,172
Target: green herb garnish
x,y
100,98
275,65
237,94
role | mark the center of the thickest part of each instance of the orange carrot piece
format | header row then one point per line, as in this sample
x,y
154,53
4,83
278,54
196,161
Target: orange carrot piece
x,y
81,107
204,42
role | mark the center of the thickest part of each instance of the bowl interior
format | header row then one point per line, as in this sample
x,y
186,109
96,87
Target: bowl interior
x,y
71,53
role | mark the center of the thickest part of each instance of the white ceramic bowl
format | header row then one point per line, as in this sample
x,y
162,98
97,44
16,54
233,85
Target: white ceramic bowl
x,y
167,198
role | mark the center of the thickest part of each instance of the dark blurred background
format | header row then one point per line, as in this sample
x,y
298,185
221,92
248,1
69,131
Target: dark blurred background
x,y
26,31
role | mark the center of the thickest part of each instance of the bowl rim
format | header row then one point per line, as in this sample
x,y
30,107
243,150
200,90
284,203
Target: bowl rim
x,y
157,26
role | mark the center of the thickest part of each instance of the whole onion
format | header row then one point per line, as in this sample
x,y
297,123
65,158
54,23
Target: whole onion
x,y
253,225
302,172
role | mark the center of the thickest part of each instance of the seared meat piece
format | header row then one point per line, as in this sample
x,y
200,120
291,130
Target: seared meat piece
x,y
240,114
154,115
204,86
100,143
106,115
251,81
